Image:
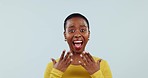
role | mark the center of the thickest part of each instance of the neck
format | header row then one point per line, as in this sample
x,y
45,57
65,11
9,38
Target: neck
x,y
76,58
76,53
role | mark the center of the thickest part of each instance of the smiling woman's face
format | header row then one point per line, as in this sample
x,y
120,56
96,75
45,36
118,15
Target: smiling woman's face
x,y
76,34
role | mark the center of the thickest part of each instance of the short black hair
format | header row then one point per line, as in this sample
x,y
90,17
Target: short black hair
x,y
75,15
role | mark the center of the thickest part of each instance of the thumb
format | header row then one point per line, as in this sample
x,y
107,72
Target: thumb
x,y
54,61
99,61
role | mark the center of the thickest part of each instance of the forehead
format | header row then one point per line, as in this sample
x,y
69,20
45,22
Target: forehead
x,y
76,21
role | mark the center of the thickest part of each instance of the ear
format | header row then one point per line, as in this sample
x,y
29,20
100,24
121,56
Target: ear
x,y
88,34
64,33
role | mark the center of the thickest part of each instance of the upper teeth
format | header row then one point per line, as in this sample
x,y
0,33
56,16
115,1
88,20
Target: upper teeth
x,y
77,41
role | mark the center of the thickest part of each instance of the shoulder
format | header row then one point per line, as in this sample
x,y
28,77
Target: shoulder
x,y
104,67
96,58
50,64
103,62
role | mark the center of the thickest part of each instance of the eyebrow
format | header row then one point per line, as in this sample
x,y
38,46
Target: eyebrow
x,y
72,26
83,25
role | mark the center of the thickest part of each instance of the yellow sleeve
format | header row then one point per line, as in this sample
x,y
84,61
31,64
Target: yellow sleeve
x,y
55,73
97,74
104,71
51,72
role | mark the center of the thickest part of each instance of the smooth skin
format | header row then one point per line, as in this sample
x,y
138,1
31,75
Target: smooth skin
x,y
77,29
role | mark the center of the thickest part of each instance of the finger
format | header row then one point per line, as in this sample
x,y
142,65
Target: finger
x,y
68,58
82,64
62,55
68,53
87,57
99,61
54,61
69,62
83,58
91,58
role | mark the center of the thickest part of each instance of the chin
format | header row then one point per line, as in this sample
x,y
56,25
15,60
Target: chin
x,y
78,51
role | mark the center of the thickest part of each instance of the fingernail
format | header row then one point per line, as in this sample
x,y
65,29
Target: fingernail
x,y
80,55
79,61
83,52
71,54
71,59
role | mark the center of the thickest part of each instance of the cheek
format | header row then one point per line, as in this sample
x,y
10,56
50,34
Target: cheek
x,y
69,38
86,36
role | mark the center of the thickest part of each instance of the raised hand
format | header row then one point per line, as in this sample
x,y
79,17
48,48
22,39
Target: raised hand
x,y
89,63
64,62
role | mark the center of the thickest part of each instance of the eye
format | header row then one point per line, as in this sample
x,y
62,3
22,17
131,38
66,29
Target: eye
x,y
71,31
82,30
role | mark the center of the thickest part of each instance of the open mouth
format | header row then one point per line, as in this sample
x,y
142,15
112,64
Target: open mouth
x,y
78,44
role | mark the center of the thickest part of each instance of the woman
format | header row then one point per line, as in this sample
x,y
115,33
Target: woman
x,y
77,63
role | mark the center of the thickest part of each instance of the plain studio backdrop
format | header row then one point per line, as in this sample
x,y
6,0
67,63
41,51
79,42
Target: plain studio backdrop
x,y
31,32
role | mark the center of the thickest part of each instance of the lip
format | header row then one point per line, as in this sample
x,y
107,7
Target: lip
x,y
78,42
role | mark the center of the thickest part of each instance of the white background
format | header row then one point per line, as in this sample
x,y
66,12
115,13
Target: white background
x,y
31,32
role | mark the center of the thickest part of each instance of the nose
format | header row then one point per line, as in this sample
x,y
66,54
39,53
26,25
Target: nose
x,y
77,35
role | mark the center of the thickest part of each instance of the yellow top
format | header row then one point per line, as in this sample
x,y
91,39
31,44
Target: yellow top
x,y
77,71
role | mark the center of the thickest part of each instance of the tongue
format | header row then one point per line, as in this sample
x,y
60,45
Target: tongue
x,y
78,46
